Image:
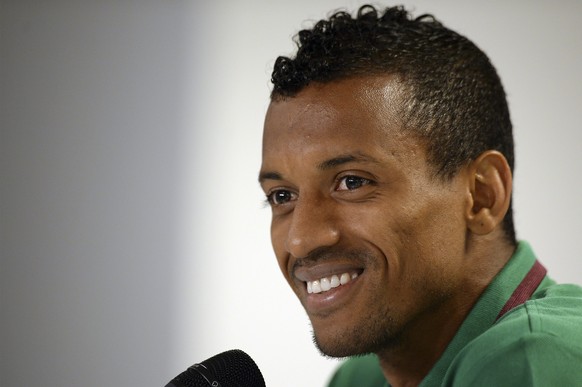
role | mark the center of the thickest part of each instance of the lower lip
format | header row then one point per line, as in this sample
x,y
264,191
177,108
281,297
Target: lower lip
x,y
326,302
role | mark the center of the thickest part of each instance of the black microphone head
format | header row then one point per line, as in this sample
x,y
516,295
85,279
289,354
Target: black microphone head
x,y
232,368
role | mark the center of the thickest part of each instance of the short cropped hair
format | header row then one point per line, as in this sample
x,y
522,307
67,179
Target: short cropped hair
x,y
452,96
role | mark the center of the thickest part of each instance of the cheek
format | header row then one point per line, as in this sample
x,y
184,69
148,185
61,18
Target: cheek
x,y
278,241
446,231
434,242
419,230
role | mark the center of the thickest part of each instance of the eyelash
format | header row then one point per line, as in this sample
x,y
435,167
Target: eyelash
x,y
361,180
270,196
270,200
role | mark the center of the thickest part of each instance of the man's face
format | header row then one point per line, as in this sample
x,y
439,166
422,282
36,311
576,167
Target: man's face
x,y
368,239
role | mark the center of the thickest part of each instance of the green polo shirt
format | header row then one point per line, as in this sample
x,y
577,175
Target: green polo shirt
x,y
536,344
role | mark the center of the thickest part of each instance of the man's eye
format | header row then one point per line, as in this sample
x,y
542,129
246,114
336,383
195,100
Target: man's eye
x,y
349,183
279,196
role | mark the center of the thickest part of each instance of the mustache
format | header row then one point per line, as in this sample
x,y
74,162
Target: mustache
x,y
358,256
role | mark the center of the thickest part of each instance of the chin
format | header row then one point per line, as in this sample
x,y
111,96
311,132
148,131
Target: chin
x,y
355,341
346,345
335,350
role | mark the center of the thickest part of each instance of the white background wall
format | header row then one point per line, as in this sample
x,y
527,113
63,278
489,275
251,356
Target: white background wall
x,y
134,241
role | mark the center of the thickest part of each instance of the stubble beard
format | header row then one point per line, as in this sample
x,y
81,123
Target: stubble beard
x,y
378,331
373,336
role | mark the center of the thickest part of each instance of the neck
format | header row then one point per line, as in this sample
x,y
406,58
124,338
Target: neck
x,y
423,341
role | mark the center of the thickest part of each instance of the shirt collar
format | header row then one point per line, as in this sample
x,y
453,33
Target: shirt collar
x,y
483,314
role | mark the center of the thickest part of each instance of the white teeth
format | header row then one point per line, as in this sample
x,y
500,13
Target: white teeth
x,y
315,287
345,279
324,284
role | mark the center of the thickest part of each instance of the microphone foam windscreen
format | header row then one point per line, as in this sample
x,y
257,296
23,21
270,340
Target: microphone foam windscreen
x,y
232,368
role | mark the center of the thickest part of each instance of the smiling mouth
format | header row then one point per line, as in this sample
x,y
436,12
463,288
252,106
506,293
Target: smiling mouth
x,y
325,284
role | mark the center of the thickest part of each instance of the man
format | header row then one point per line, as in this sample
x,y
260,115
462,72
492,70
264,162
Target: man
x,y
387,161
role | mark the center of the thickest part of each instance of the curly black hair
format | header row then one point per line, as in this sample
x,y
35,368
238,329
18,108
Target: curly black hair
x,y
451,94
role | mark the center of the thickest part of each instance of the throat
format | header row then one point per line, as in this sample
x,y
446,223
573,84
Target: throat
x,y
421,344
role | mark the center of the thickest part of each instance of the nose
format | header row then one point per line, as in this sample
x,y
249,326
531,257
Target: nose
x,y
312,227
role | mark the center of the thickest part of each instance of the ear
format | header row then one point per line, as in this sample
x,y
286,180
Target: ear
x,y
490,188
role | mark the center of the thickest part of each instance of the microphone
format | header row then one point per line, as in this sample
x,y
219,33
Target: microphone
x,y
232,368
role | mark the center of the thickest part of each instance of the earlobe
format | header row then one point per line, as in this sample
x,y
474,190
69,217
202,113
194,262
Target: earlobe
x,y
490,188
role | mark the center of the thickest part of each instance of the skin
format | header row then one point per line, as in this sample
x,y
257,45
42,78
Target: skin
x,y
351,191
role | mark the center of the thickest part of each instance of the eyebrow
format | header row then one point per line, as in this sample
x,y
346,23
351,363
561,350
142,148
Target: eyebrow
x,y
325,165
344,159
269,176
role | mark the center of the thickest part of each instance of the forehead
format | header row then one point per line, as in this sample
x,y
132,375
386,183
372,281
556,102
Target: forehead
x,y
358,112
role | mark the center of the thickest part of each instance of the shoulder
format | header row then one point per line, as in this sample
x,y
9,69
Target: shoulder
x,y
538,343
362,371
